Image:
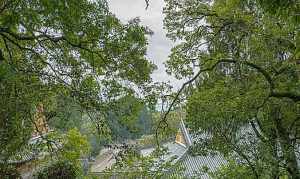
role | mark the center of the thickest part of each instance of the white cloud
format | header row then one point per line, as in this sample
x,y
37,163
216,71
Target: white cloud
x,y
159,46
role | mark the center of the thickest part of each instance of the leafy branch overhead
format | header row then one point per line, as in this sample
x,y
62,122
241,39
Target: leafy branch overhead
x,y
77,50
242,62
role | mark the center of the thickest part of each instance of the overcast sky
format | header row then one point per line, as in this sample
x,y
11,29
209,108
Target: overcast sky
x,y
159,46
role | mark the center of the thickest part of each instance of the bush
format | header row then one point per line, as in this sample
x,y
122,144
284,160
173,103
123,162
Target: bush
x,y
58,170
9,172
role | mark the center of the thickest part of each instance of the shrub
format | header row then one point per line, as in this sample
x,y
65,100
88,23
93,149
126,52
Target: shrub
x,y
9,172
58,170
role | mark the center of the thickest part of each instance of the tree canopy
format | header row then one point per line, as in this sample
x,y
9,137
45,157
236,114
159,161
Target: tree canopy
x,y
242,62
77,60
75,49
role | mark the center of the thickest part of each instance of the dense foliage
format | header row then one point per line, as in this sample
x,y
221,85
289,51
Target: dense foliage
x,y
59,53
131,164
242,59
86,68
59,169
130,119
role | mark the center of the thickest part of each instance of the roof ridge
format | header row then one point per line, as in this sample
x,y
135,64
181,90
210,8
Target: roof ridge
x,y
185,133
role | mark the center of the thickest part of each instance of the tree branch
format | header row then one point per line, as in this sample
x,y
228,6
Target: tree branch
x,y
164,118
252,65
258,134
147,4
235,148
292,96
1,56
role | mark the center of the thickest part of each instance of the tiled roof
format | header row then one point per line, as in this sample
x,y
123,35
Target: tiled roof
x,y
174,151
193,164
105,160
25,155
28,152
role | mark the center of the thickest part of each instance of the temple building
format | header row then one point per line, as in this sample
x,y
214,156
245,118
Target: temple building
x,y
178,149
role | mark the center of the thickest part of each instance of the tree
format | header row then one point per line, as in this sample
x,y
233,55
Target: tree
x,y
74,146
65,114
241,58
74,49
58,169
233,170
130,163
129,118
145,121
